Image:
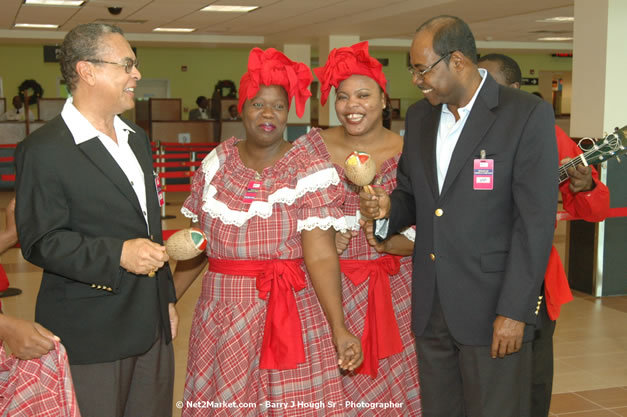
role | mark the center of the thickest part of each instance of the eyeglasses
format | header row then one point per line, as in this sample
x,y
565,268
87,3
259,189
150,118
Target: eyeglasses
x,y
128,64
421,74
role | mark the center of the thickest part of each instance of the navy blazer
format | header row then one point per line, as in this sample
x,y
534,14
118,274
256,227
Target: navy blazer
x,y
485,251
75,208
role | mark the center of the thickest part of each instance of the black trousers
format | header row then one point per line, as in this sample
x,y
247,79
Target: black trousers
x,y
542,368
464,381
138,386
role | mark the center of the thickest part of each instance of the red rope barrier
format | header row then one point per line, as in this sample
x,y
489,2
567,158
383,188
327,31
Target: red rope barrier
x,y
177,164
172,156
177,174
614,212
177,187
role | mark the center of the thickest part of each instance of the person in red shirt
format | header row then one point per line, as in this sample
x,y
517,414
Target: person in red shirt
x,y
583,196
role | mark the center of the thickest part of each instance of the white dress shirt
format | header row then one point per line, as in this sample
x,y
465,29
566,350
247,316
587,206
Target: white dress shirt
x,y
449,131
82,130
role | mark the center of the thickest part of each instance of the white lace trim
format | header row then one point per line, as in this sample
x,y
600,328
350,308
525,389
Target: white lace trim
x,y
188,213
217,209
209,166
352,223
410,234
322,223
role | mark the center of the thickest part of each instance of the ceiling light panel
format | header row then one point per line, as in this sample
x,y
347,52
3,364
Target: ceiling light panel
x,y
70,3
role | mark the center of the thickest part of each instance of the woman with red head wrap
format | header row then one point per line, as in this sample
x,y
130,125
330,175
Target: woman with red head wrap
x,y
268,207
376,280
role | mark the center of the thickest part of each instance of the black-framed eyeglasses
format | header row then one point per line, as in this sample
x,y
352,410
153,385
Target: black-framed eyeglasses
x,y
421,74
128,64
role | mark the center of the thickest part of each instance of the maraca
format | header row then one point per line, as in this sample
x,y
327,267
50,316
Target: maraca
x,y
186,244
360,168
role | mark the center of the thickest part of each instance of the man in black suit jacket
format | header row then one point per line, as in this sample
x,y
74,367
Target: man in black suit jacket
x,y
88,214
477,177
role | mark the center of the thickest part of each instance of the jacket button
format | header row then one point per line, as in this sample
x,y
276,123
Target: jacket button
x,y
432,256
439,212
93,285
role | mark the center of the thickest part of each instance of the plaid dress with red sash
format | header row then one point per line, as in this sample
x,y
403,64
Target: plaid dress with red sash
x,y
38,387
397,376
298,192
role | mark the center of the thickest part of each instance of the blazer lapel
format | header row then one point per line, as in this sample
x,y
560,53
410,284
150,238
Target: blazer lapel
x,y
479,122
138,144
98,154
427,136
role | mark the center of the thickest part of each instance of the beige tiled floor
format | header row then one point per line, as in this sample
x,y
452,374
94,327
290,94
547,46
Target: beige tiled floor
x,y
590,339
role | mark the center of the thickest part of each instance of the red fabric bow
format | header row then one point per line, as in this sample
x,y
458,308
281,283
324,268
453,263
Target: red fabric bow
x,y
272,67
344,62
381,337
282,346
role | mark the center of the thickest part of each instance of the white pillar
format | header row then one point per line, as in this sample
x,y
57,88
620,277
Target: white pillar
x,y
599,64
598,103
326,114
299,53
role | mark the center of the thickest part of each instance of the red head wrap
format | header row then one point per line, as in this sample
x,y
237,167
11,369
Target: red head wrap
x,y
344,62
272,67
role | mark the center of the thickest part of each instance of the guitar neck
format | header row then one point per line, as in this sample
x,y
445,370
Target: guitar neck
x,y
563,170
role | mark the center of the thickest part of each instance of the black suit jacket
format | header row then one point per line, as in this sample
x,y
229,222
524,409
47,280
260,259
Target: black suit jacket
x,y
485,251
75,208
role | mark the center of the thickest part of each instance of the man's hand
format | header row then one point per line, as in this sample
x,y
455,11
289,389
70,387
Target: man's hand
x,y
342,239
374,203
507,337
368,228
26,339
174,320
142,256
580,177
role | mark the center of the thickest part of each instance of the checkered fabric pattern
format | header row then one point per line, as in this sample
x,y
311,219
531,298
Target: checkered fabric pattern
x,y
397,378
227,328
37,387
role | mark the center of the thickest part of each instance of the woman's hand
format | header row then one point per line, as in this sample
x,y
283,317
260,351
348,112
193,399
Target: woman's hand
x,y
342,239
348,348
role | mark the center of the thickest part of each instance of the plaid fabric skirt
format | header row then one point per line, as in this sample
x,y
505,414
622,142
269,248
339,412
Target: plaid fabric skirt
x,y
38,387
223,375
397,379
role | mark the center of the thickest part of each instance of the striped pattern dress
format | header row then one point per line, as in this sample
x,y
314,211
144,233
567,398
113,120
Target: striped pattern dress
x,y
299,192
397,378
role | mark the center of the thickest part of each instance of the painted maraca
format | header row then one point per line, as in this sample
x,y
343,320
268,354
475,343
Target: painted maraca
x,y
186,244
360,168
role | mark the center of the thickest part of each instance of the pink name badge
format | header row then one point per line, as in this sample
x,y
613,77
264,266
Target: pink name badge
x,y
159,191
251,191
483,178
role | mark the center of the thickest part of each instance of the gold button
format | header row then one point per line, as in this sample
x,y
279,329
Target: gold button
x,y
109,289
540,297
99,287
93,285
432,256
439,212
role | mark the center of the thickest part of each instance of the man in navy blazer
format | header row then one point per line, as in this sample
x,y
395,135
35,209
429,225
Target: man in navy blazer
x,y
88,214
477,177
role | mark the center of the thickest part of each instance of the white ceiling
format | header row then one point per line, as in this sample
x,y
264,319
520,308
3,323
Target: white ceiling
x,y
497,24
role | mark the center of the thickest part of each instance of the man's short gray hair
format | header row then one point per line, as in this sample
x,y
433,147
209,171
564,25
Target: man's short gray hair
x,y
80,44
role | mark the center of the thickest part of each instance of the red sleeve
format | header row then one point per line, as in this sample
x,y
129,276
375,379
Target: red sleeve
x,y
591,206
